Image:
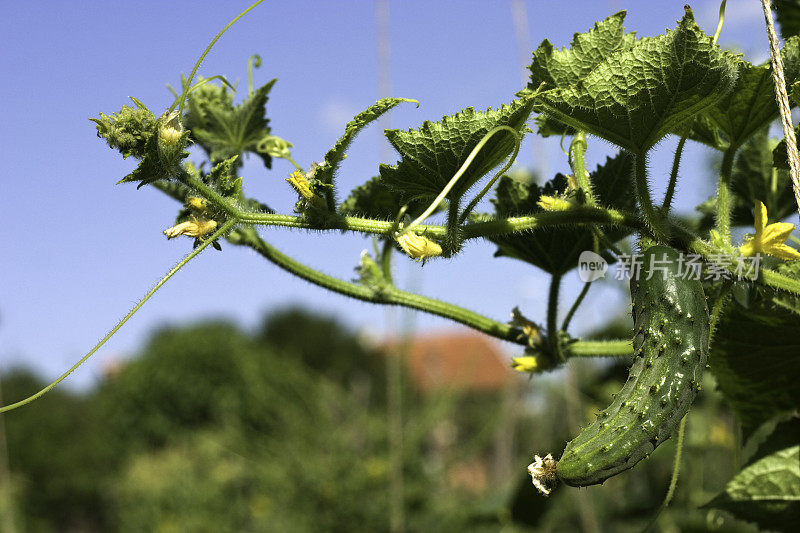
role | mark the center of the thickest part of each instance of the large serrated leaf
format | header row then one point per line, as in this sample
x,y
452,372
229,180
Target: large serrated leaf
x,y
755,356
767,490
432,154
225,130
556,250
637,96
750,105
326,170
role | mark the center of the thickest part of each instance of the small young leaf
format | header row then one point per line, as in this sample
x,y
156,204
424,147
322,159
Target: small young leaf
x,y
225,130
432,154
637,96
160,160
327,169
128,130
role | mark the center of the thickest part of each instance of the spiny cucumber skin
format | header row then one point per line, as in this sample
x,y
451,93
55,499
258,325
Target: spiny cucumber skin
x,y
671,336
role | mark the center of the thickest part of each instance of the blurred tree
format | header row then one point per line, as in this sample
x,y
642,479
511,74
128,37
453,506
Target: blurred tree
x,y
325,345
59,456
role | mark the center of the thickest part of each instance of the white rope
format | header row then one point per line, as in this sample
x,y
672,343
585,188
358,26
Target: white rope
x,y
783,102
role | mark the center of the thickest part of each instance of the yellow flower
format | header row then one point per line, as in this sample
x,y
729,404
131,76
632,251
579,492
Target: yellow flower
x,y
196,227
553,203
418,246
769,238
300,184
526,363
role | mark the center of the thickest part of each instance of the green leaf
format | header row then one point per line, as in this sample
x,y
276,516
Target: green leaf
x,y
373,199
432,154
559,68
755,179
221,178
787,13
567,66
556,250
767,490
637,96
755,356
750,105
225,130
780,158
327,169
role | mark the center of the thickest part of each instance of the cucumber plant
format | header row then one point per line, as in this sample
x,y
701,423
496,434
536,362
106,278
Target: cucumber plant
x,y
609,84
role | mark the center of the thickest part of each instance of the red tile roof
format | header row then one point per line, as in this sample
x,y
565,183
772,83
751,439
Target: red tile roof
x,y
457,361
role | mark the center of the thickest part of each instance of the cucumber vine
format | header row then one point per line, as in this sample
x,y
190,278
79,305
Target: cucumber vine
x,y
609,84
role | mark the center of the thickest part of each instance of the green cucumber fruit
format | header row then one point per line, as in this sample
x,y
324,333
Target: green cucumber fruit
x,y
670,343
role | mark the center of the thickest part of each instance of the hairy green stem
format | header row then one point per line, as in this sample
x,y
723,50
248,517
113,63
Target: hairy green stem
x,y
682,237
388,296
204,244
673,176
645,201
486,188
552,317
611,348
575,215
386,260
721,21
575,305
724,194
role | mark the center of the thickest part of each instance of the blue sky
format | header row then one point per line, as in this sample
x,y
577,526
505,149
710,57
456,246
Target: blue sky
x,y
78,251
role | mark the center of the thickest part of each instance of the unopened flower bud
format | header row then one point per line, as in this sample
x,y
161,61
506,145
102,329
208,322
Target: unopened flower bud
x,y
417,246
171,129
553,203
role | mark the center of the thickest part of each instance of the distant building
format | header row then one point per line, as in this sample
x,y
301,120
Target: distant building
x,y
461,361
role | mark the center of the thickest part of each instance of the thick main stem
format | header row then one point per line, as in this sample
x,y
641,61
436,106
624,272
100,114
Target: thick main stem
x,y
388,296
